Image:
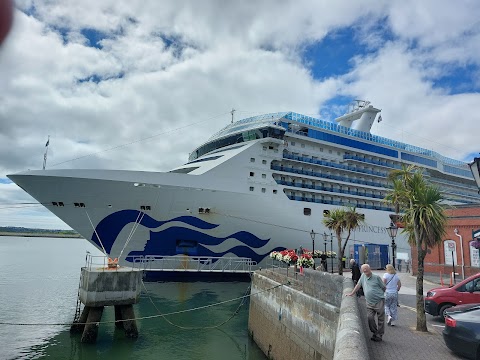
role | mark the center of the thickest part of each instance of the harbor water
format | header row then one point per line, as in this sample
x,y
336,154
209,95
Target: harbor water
x,y
39,283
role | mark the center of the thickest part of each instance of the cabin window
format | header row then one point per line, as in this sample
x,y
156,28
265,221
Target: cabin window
x,y
252,188
292,143
264,162
263,190
252,173
274,191
252,159
303,145
307,211
264,176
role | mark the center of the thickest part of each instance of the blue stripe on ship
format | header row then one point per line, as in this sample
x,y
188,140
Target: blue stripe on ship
x,y
176,239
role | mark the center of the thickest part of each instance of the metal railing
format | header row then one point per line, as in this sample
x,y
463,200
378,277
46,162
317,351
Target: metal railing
x,y
193,263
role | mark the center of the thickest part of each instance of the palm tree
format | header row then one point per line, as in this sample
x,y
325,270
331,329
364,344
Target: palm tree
x,y
424,219
339,220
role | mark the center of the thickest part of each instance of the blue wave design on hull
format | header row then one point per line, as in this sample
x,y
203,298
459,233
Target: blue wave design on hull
x,y
110,227
176,240
168,243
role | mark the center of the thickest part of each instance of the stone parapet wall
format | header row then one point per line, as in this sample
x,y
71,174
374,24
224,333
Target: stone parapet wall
x,y
305,316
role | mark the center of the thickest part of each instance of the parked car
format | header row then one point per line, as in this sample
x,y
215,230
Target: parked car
x,y
462,330
440,299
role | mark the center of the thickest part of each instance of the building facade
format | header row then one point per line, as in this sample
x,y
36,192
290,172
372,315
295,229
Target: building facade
x,y
454,253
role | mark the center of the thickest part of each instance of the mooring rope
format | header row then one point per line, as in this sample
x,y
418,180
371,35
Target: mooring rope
x,y
200,327
95,231
146,317
132,231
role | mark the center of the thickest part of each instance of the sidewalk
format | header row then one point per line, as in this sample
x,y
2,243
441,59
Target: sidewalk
x,y
402,341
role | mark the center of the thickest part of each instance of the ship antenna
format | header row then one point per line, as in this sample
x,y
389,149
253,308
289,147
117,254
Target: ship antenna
x,y
231,112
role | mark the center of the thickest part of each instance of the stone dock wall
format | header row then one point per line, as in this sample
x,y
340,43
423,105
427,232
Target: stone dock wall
x,y
305,318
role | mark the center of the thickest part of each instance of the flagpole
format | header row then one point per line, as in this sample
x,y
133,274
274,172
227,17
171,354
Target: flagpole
x,y
46,152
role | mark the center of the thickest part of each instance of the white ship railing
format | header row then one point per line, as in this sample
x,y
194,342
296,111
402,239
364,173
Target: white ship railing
x,y
193,263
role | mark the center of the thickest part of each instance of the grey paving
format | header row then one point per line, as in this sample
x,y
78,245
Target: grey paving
x,y
402,341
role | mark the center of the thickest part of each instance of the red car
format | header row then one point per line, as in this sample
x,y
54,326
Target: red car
x,y
440,299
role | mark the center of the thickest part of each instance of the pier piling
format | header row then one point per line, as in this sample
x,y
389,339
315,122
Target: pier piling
x,y
103,286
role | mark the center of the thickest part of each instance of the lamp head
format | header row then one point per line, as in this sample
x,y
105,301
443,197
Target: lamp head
x,y
392,230
312,234
455,231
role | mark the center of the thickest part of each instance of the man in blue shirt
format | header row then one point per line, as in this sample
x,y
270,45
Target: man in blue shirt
x,y
373,288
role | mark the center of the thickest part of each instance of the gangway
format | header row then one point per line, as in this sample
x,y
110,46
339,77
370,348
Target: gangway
x,y
193,264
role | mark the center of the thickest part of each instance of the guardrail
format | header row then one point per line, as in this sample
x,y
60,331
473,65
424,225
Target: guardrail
x,y
193,263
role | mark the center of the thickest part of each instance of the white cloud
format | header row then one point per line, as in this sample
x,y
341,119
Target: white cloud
x,y
183,65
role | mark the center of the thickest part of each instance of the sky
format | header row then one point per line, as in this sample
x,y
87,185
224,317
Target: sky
x,y
138,85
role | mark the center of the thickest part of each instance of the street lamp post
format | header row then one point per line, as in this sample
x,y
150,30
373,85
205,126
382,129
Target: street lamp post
x,y
324,259
331,252
475,169
312,235
392,231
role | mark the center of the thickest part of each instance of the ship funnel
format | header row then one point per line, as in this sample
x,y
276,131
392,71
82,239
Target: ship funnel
x,y
362,113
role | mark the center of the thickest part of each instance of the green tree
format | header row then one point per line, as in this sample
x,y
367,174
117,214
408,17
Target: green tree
x,y
340,220
424,219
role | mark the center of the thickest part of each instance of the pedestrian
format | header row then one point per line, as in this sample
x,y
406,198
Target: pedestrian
x,y
399,265
407,265
356,275
393,285
323,262
373,288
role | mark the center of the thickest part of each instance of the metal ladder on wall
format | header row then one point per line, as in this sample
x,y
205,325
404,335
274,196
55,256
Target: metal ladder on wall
x,y
78,307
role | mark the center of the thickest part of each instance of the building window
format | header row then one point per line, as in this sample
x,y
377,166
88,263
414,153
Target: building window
x,y
307,211
251,188
263,190
252,173
252,159
264,176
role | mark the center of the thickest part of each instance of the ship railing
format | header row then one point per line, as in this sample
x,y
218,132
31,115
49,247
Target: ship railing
x,y
104,263
194,263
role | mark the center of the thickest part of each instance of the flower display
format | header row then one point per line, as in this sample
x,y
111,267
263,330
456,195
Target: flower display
x,y
305,260
318,253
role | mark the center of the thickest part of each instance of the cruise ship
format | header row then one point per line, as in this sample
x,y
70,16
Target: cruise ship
x,y
259,185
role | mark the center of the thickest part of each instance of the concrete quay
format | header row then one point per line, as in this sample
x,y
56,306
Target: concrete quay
x,y
304,320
